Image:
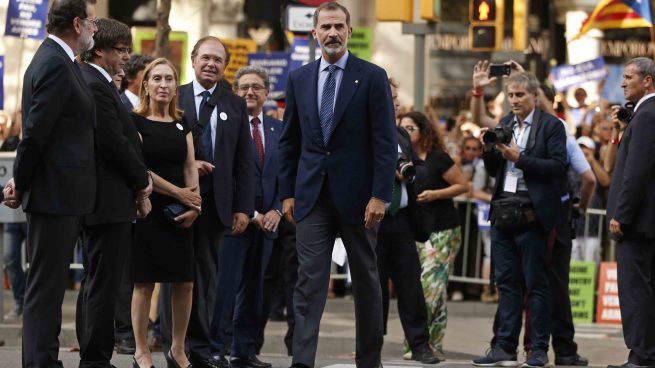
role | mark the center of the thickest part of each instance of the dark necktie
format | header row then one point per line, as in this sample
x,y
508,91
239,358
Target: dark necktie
x,y
326,113
396,195
258,140
206,137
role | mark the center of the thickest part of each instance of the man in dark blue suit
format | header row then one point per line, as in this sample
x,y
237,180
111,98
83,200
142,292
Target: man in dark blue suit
x,y
631,214
219,120
529,174
338,156
245,256
55,171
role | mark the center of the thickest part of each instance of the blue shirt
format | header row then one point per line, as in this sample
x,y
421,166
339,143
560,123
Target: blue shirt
x,y
323,74
521,140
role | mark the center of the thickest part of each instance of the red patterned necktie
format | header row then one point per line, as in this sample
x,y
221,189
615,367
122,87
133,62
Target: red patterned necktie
x,y
258,139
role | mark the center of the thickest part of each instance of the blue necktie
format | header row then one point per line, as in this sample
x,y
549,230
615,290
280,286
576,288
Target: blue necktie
x,y
326,114
207,130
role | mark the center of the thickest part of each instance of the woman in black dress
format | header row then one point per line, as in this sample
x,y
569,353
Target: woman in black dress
x,y
163,250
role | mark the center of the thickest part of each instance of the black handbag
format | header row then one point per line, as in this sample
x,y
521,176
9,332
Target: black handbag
x,y
174,210
512,213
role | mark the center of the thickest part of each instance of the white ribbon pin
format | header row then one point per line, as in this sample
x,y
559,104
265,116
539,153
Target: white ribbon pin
x,y
179,126
223,116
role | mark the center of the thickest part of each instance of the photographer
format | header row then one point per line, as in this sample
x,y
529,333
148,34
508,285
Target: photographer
x,y
437,183
526,153
397,254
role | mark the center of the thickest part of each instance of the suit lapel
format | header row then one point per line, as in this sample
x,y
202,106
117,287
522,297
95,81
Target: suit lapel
x,y
347,88
188,104
270,141
532,138
312,99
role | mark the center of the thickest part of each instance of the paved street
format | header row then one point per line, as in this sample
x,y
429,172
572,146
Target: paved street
x,y
467,336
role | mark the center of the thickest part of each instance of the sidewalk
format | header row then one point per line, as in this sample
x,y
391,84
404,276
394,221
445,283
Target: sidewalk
x,y
468,335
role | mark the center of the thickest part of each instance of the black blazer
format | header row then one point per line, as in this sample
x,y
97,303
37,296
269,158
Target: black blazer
x,y
55,164
118,154
543,163
631,199
126,102
233,178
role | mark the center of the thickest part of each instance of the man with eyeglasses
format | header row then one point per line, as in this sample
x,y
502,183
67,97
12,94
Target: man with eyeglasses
x,y
123,187
224,158
54,172
246,255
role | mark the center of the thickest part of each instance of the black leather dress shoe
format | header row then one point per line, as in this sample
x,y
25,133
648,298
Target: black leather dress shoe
x,y
126,347
572,360
210,363
425,355
298,365
630,365
248,362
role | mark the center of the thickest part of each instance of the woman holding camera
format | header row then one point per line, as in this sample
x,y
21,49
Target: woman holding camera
x,y
163,250
437,183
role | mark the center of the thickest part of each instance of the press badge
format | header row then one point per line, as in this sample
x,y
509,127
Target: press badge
x,y
511,182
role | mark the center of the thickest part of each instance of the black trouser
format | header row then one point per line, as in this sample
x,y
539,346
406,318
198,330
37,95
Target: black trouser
x,y
122,313
398,260
50,243
283,266
636,276
104,252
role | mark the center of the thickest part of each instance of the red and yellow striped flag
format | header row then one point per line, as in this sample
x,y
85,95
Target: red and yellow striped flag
x,y
618,14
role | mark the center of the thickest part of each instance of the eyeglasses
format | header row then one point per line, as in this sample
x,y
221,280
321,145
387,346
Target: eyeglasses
x,y
92,20
122,50
411,129
255,87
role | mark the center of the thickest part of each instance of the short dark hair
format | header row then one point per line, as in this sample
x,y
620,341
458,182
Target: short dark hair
x,y
429,138
136,64
62,13
199,43
333,5
110,32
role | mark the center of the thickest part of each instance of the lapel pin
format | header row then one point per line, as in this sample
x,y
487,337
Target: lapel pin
x,y
356,80
223,116
179,126
272,129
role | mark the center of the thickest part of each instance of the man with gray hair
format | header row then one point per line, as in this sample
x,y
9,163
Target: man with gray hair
x,y
526,153
246,255
631,214
55,171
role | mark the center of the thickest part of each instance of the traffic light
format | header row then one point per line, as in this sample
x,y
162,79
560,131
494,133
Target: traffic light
x,y
486,28
430,10
520,27
394,10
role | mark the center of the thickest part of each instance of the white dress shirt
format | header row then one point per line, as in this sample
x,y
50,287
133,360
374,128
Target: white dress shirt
x,y
64,46
197,90
134,99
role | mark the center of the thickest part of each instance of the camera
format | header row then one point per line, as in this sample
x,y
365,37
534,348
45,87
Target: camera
x,y
625,113
405,167
497,70
500,134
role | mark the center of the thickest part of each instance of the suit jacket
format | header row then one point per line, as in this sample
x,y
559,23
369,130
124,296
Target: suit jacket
x,y
118,154
232,181
126,102
543,163
359,159
55,164
631,199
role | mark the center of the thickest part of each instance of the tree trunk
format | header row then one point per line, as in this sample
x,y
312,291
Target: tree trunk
x,y
163,28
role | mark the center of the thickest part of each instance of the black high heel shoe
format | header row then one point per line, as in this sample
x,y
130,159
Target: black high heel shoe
x,y
135,364
172,363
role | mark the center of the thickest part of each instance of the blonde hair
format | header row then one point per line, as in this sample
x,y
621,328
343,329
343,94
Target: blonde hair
x,y
144,106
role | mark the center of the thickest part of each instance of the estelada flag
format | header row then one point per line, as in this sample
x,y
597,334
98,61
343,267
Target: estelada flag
x,y
618,14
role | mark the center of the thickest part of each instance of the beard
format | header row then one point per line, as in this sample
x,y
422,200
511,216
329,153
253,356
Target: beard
x,y
85,42
333,50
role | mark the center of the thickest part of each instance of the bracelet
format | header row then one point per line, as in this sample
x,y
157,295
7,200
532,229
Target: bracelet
x,y
279,213
477,92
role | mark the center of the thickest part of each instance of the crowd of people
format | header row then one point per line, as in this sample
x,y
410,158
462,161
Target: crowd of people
x,y
188,200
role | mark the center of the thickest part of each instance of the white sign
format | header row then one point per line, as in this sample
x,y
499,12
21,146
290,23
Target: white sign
x,y
300,18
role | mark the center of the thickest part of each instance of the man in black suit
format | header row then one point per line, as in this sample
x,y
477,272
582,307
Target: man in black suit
x,y
529,174
132,81
397,255
338,153
123,180
631,214
55,171
225,163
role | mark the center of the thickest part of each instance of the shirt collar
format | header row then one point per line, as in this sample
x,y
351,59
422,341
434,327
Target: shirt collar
x,y
341,63
528,119
64,46
102,71
198,89
642,100
260,116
